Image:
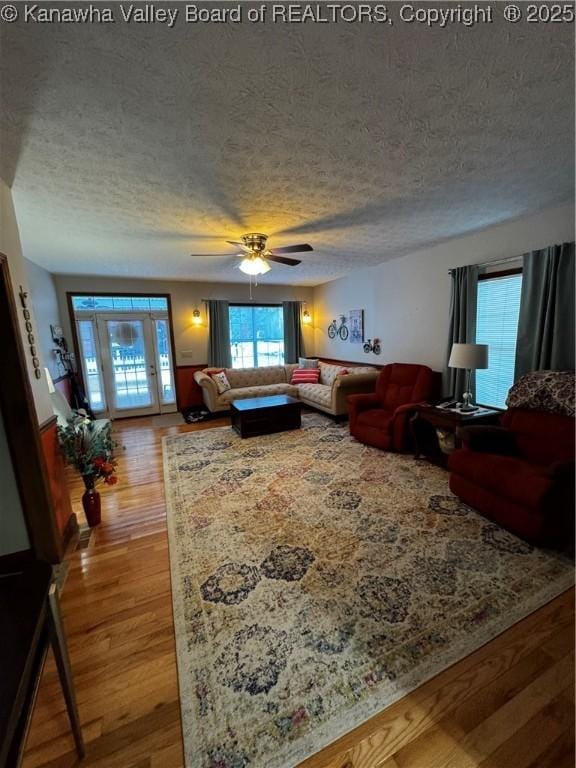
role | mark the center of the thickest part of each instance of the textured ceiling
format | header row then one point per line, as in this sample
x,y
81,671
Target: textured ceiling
x,y
132,146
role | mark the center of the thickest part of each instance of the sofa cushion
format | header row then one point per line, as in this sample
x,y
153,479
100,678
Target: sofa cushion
x,y
264,390
316,393
305,376
506,476
254,377
329,372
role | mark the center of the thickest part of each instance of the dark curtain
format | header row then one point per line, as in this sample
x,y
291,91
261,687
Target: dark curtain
x,y
219,354
293,344
546,321
462,326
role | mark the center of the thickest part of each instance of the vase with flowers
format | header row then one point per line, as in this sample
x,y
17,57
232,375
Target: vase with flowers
x,y
89,449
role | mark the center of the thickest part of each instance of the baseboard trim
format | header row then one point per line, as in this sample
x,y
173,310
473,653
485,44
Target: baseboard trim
x,y
70,530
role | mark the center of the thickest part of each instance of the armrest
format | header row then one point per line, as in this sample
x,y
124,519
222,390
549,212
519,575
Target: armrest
x,y
488,439
359,403
400,425
209,389
348,380
203,380
407,408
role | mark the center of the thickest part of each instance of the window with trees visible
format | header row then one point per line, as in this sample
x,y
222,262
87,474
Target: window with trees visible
x,y
256,335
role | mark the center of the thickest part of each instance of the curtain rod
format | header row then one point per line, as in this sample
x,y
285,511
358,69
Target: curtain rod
x,y
493,262
261,303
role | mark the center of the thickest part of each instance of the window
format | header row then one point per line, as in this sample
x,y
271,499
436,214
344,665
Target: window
x,y
497,326
256,336
120,303
92,373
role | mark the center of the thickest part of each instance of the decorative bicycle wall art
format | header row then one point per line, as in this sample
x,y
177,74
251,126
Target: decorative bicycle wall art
x,y
352,327
373,346
357,326
338,330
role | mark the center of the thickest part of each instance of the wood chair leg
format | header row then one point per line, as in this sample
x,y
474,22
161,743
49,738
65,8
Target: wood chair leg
x,y
60,649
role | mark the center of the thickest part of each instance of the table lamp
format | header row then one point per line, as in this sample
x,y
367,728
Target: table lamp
x,y
470,357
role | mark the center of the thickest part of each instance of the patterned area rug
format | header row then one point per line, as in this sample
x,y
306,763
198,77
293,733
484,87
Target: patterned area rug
x,y
316,580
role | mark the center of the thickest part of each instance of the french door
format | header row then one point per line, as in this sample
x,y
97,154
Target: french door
x,y
127,365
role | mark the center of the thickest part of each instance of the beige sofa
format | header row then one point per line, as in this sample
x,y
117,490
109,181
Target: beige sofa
x,y
329,395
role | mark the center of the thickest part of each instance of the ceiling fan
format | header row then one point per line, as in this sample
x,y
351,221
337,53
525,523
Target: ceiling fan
x,y
255,255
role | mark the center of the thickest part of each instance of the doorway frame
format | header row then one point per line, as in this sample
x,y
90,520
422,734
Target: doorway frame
x,y
126,294
23,431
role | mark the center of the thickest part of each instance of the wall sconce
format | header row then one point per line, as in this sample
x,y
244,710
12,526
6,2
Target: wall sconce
x,y
306,317
196,317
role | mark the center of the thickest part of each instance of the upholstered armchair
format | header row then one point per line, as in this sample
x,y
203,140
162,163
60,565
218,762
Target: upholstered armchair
x,y
521,473
381,418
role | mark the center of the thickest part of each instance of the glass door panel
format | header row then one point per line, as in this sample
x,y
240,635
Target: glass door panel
x,y
90,359
165,378
129,366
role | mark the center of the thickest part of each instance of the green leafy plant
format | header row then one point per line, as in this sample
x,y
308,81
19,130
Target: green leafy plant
x,y
89,450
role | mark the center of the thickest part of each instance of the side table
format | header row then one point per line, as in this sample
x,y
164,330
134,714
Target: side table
x,y
434,429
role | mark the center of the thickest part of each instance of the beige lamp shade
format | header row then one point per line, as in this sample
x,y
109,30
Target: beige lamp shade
x,y
51,387
470,356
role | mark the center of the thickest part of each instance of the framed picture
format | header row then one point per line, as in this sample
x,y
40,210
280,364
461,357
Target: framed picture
x,y
357,326
57,332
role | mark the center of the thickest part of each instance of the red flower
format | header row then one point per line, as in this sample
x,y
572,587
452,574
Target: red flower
x,y
107,468
111,480
98,461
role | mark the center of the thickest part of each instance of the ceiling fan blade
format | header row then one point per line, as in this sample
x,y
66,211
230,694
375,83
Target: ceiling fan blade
x,y
293,248
213,255
281,260
240,245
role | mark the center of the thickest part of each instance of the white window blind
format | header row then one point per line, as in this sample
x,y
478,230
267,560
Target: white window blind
x,y
497,326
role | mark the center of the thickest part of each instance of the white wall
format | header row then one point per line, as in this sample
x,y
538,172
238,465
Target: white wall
x,y
10,247
191,342
45,302
406,300
13,535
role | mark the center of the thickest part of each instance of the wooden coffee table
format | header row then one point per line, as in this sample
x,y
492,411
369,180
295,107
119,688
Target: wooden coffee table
x,y
264,415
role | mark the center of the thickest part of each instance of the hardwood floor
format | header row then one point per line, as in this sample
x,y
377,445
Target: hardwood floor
x,y
509,705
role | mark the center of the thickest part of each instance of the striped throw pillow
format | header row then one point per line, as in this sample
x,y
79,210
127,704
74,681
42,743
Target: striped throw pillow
x,y
305,376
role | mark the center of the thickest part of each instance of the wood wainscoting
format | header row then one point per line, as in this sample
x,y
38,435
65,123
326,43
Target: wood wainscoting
x,y
188,393
56,475
350,363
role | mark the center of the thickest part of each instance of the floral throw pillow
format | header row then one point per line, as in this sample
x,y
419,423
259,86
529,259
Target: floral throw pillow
x,y
221,381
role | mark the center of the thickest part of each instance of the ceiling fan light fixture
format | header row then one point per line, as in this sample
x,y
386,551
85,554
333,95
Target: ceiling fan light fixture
x,y
254,265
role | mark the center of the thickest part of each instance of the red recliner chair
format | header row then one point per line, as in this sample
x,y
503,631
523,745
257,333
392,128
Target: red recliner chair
x,y
381,418
521,474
